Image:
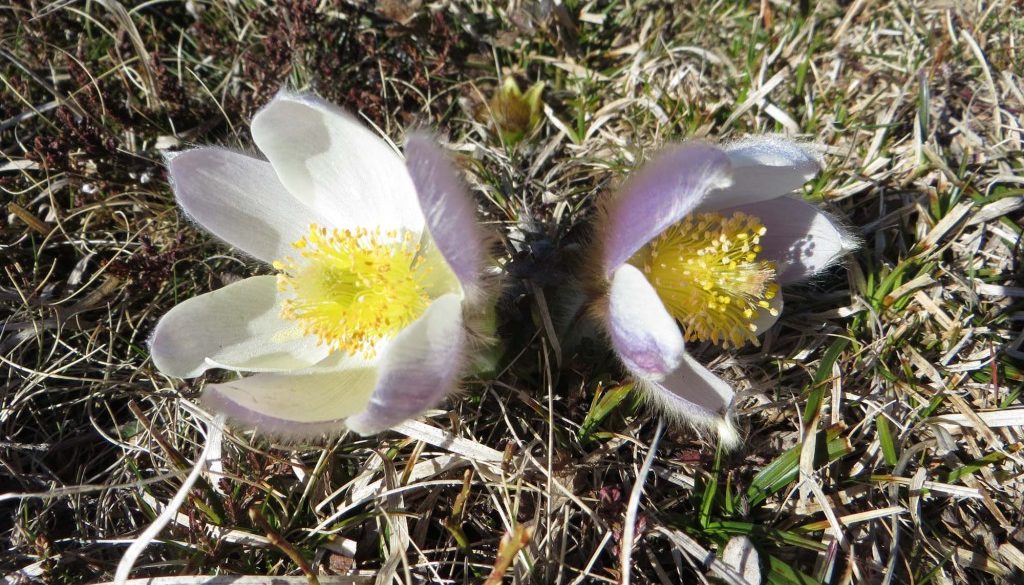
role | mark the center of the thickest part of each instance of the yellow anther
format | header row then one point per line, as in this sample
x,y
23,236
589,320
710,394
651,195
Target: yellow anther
x,y
706,272
352,288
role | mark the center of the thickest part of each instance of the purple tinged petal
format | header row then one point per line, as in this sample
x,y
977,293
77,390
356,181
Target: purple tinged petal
x,y
240,200
657,196
449,210
800,238
764,167
693,394
645,337
237,327
422,364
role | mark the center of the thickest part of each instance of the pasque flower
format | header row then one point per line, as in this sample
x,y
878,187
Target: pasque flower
x,y
694,247
378,263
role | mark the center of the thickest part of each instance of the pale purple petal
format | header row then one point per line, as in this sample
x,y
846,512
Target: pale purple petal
x,y
335,164
237,327
303,404
657,196
422,364
764,167
645,337
239,199
691,393
449,210
800,239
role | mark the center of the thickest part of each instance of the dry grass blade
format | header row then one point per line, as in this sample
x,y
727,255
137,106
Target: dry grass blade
x,y
633,506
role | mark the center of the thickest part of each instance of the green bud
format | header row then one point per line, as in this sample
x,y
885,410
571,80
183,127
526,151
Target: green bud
x,y
514,113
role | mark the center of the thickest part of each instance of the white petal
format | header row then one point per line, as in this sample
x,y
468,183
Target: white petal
x,y
302,404
336,165
692,393
645,337
421,365
236,327
764,167
240,200
800,239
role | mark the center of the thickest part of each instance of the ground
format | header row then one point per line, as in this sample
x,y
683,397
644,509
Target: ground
x,y
881,418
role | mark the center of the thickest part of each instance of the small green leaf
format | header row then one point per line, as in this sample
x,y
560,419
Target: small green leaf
x,y
601,407
779,573
208,511
972,467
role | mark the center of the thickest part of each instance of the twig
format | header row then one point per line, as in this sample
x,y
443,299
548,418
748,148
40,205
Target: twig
x,y
286,547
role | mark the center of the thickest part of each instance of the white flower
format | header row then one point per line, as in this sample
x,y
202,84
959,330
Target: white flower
x,y
703,237
364,326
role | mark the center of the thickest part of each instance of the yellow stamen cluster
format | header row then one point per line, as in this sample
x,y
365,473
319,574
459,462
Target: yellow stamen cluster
x,y
706,272
352,288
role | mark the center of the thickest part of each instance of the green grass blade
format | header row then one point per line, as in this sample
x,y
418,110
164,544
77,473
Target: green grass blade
x,y
823,375
603,404
779,573
886,441
784,469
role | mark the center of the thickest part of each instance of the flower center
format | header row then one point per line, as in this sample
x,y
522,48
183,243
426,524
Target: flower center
x,y
353,287
706,272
